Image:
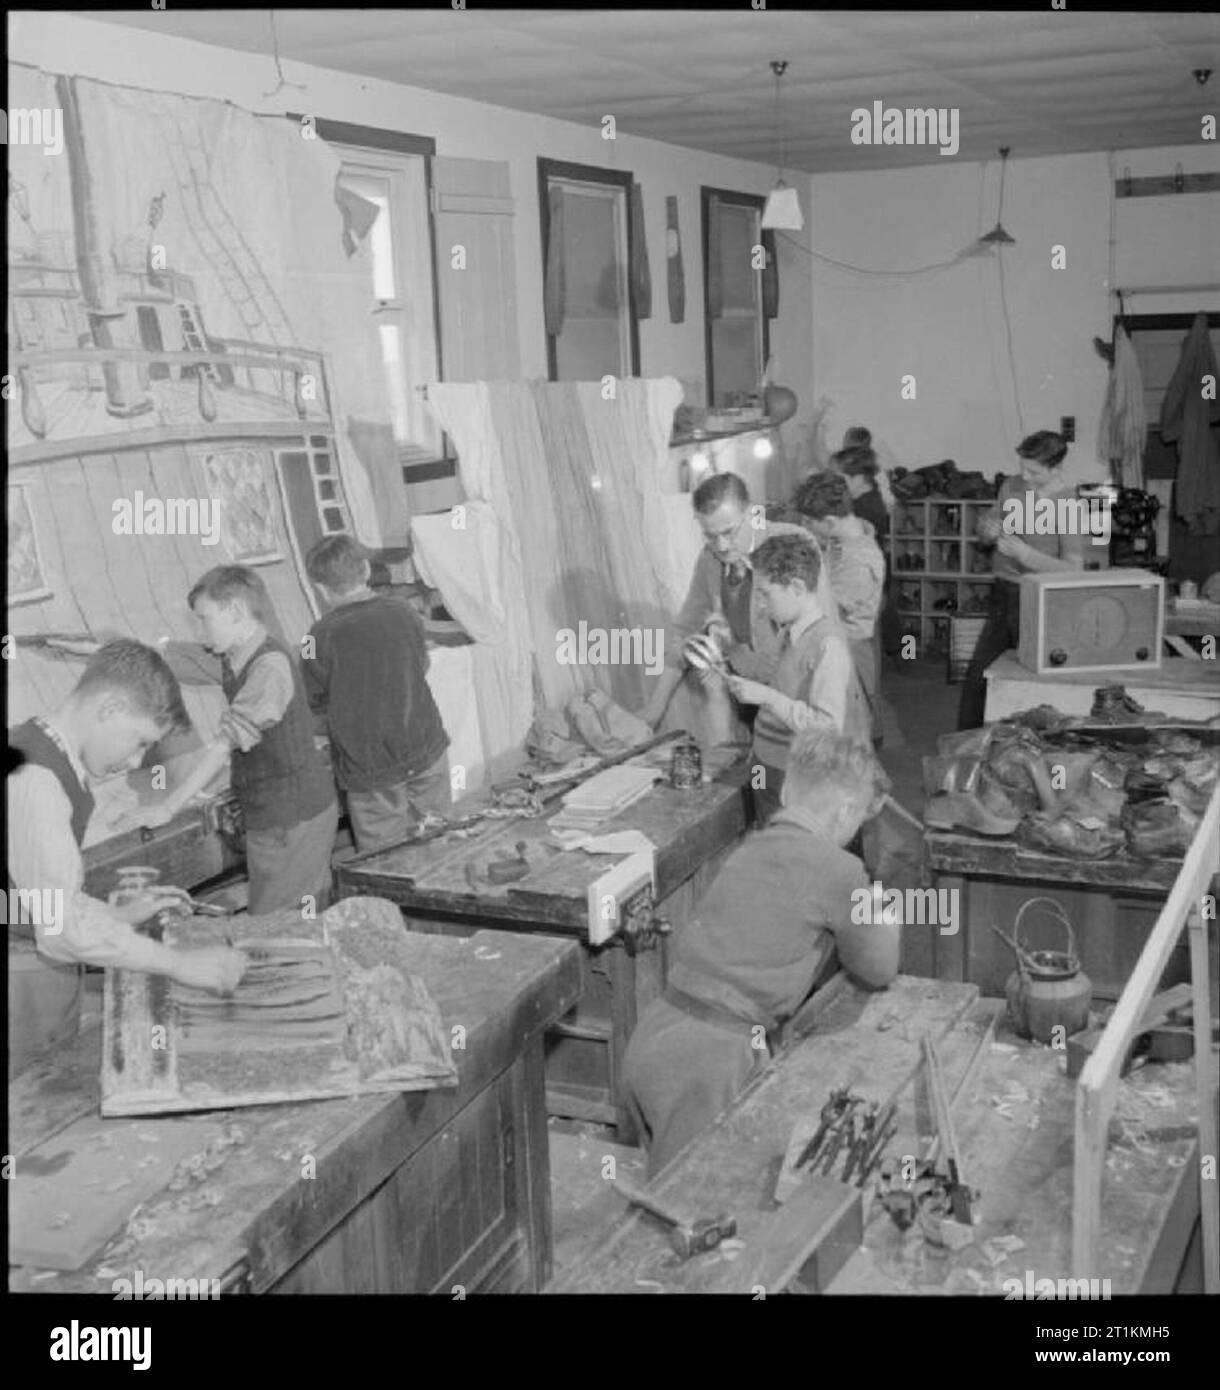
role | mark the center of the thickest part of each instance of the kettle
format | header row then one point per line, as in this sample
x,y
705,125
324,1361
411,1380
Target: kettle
x,y
1048,989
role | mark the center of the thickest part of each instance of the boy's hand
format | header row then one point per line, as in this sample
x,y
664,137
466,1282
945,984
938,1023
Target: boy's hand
x,y
748,692
149,903
156,816
989,529
1012,546
215,968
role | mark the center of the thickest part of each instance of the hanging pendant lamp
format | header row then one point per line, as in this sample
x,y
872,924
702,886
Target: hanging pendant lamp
x,y
782,212
998,236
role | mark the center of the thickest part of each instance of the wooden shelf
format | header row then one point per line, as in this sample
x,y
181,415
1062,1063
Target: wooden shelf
x,y
918,617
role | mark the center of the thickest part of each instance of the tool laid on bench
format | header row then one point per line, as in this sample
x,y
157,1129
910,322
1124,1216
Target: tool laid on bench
x,y
959,1194
688,1236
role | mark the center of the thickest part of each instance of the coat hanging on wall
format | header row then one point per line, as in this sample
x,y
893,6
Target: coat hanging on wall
x,y
675,277
641,276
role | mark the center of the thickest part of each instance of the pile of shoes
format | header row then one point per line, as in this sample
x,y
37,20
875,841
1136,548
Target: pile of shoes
x,y
1082,795
940,480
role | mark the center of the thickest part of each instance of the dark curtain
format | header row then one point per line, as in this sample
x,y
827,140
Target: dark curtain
x,y
641,276
715,281
770,278
554,290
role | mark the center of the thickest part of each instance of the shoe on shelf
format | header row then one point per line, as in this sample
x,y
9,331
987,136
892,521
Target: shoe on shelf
x,y
1111,702
965,811
1074,837
1155,828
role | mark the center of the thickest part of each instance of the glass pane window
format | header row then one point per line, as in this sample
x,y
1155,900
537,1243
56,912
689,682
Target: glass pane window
x,y
737,338
592,305
402,311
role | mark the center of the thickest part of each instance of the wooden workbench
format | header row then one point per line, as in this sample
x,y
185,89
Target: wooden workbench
x,y
1014,1137
413,1192
692,831
1111,904
1180,688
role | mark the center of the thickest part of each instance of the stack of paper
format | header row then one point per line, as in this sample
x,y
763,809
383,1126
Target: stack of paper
x,y
605,795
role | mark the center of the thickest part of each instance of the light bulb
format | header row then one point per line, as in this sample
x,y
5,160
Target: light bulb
x,y
699,462
763,449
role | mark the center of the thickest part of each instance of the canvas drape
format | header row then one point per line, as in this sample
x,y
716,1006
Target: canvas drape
x,y
675,277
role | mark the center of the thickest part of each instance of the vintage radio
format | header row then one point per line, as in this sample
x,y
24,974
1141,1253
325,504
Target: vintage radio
x,y
1091,621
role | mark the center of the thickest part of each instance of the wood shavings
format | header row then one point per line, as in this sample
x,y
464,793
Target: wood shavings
x,y
486,953
649,1284
1003,1047
43,1275
60,1220
1009,1243
105,1273
983,1285
1176,1161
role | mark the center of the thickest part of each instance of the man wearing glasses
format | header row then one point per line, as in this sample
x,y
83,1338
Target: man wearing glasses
x,y
722,601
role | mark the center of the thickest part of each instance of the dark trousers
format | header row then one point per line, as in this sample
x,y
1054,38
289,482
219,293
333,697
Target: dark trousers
x,y
999,635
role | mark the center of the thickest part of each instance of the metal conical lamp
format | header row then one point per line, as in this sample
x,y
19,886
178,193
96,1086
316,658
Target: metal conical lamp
x,y
998,236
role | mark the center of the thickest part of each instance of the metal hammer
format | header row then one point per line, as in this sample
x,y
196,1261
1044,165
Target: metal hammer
x,y
688,1237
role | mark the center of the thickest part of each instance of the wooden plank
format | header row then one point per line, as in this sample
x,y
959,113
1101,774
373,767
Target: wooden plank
x,y
1205,1096
1096,1088
821,1223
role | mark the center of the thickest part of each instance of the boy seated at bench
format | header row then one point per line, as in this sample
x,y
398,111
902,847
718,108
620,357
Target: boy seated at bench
x,y
763,935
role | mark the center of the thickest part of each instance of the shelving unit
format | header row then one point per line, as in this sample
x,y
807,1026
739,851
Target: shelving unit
x,y
938,568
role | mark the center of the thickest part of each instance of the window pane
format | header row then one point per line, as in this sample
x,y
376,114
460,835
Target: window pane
x,y
326,491
321,464
376,190
737,241
396,378
332,519
596,337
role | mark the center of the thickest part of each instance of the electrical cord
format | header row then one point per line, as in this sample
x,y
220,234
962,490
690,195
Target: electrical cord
x,y
863,270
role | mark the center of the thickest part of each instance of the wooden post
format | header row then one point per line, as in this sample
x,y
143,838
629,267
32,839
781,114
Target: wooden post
x,y
1098,1084
1205,1083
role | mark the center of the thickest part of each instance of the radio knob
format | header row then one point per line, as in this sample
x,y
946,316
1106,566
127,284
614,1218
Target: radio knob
x,y
1058,657
1141,654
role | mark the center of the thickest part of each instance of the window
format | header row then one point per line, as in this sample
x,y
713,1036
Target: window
x,y
735,333
386,174
591,325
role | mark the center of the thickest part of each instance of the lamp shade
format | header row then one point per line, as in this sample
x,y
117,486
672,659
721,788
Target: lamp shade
x,y
782,212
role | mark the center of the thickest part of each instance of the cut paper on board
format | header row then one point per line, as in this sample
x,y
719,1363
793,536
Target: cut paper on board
x,y
326,1008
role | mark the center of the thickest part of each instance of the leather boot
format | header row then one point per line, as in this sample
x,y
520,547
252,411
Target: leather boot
x,y
1072,837
1112,704
1155,828
963,811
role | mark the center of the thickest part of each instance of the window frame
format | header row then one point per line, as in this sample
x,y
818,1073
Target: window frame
x,y
752,200
371,139
588,173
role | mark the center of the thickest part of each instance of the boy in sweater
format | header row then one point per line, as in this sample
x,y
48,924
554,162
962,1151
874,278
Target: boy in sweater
x,y
126,701
283,786
857,573
367,675
763,935
814,683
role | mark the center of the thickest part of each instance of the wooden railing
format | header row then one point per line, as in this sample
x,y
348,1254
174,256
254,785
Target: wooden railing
x,y
1097,1088
296,362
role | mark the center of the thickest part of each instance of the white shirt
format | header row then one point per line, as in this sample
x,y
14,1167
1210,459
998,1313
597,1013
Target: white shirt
x,y
43,854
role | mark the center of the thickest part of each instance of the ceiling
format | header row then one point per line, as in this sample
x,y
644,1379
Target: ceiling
x,y
1044,83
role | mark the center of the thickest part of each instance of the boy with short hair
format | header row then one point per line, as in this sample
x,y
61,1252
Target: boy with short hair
x,y
857,573
283,786
815,682
126,701
761,938
368,675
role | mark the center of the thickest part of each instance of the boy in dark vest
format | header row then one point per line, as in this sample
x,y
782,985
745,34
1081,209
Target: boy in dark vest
x,y
366,671
283,786
814,683
126,701
769,927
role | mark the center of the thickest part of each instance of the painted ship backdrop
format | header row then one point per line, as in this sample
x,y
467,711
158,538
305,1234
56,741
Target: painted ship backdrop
x,y
123,388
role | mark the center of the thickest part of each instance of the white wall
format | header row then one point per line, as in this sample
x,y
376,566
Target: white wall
x,y
947,327
471,130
